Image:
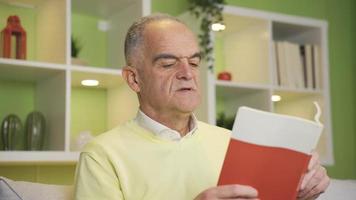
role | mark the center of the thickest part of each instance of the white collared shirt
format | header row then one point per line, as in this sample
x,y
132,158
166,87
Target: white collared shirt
x,y
163,131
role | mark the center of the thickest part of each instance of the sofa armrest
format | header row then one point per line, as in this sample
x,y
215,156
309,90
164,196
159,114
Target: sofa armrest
x,y
21,190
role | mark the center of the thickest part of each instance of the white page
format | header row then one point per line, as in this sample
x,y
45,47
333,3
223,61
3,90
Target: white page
x,y
276,130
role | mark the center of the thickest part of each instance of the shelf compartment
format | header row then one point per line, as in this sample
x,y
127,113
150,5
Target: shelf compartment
x,y
98,109
24,89
100,27
243,49
300,34
298,55
300,104
45,25
230,98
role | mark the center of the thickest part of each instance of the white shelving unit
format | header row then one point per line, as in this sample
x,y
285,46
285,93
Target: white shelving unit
x,y
246,50
54,81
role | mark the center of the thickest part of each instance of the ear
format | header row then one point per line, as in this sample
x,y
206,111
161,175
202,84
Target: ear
x,y
130,74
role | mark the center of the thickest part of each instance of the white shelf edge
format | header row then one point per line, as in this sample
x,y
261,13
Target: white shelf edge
x,y
241,85
68,110
146,7
298,90
27,63
91,69
275,17
38,157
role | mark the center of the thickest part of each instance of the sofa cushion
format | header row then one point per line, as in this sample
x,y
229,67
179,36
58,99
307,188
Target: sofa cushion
x,y
21,190
340,190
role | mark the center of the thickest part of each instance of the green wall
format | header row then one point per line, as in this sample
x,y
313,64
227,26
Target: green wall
x,y
94,119
174,7
16,98
92,40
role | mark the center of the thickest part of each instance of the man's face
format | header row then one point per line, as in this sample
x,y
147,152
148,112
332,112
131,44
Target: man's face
x,y
169,72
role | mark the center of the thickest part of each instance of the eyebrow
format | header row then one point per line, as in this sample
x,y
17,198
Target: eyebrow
x,y
171,56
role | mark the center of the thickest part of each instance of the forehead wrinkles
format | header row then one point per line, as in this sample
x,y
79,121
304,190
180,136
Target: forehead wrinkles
x,y
169,37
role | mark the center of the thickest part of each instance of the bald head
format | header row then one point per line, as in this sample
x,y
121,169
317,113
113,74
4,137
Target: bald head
x,y
134,40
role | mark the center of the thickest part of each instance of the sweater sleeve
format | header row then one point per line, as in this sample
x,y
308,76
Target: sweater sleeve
x,y
96,178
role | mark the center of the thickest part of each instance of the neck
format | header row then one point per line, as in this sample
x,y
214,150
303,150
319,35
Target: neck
x,y
176,121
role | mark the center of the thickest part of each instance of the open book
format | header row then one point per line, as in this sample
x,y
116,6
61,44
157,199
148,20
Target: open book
x,y
269,152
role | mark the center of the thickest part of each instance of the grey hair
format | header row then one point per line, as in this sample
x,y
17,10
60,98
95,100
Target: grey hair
x,y
134,36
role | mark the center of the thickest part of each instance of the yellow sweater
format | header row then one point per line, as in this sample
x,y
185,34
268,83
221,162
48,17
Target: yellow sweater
x,y
131,163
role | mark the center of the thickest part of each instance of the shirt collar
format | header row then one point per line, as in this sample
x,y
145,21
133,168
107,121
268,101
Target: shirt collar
x,y
161,130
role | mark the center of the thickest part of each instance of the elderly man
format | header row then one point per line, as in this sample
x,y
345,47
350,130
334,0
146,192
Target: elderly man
x,y
165,152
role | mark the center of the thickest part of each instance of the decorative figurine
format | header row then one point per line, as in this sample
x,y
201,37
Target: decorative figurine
x,y
13,28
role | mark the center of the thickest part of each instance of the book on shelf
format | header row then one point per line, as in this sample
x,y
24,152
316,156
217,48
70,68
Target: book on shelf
x,y
281,64
309,65
269,152
318,67
297,66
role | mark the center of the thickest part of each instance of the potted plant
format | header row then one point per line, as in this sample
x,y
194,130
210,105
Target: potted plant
x,y
208,12
76,47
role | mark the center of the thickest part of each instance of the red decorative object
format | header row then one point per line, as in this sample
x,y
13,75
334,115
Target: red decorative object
x,y
226,76
14,28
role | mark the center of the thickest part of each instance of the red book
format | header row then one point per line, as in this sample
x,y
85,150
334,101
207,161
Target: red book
x,y
269,152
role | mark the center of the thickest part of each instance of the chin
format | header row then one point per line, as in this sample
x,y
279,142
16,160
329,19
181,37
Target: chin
x,y
188,106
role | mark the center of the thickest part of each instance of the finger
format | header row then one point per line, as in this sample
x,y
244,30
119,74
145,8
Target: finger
x,y
314,161
319,189
306,178
311,198
242,191
316,179
313,164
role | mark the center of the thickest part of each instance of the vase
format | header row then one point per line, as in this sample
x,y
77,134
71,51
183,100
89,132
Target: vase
x,y
12,133
35,131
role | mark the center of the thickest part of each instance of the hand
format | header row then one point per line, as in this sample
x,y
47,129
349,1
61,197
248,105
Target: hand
x,y
315,181
239,192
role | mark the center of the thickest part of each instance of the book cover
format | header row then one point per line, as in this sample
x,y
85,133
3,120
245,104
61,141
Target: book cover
x,y
269,152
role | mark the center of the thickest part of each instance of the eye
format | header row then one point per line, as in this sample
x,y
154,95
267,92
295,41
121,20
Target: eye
x,y
194,62
166,63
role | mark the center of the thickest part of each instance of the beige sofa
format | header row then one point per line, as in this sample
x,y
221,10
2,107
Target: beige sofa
x,y
20,190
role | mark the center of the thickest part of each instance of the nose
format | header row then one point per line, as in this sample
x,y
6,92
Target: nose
x,y
185,71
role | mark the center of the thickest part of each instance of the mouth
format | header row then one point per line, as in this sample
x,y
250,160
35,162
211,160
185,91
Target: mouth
x,y
186,89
